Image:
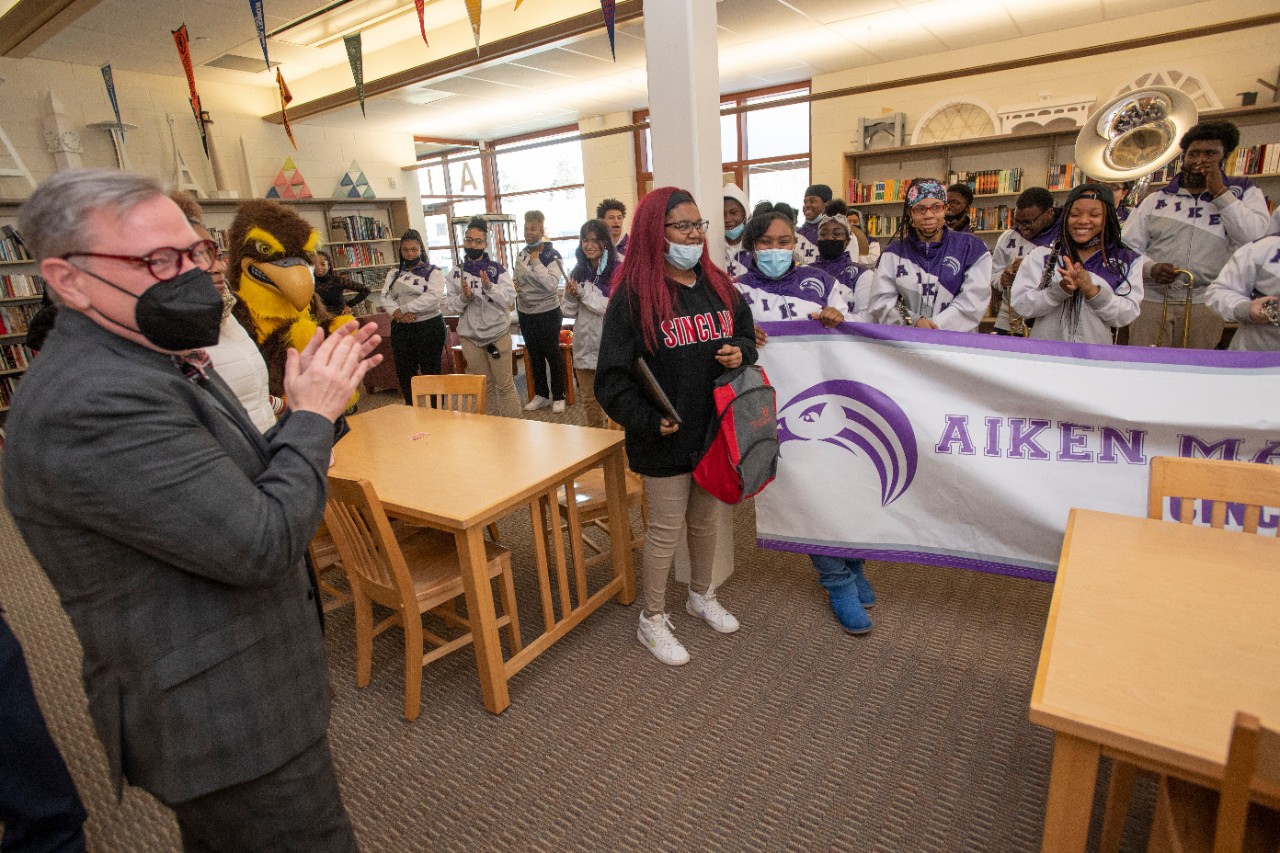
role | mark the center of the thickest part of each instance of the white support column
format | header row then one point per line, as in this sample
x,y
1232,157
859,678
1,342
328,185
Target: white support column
x,y
684,105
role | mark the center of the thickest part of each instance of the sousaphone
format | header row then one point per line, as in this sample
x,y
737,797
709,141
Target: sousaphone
x,y
1131,137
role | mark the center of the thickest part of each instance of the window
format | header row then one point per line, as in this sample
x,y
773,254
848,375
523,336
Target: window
x,y
763,150
546,178
452,185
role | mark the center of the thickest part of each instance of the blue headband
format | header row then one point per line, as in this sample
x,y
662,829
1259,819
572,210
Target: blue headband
x,y
928,188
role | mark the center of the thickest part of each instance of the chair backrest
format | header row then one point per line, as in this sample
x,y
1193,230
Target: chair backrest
x,y
1212,480
455,392
364,538
1253,764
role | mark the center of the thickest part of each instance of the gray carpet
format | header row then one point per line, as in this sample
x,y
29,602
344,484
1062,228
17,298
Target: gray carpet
x,y
788,735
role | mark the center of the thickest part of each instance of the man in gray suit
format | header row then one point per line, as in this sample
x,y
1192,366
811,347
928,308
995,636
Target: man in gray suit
x,y
174,531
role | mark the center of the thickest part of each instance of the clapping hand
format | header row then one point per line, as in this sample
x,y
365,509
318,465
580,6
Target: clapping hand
x,y
323,376
1076,278
466,290
571,289
484,280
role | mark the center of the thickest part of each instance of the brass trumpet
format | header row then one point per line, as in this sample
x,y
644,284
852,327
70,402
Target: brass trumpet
x,y
1272,311
1186,310
1017,324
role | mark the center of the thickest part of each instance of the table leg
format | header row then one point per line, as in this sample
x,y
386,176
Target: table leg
x,y
484,619
615,487
528,372
1119,793
1071,784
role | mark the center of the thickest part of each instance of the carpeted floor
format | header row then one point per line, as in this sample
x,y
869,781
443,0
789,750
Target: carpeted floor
x,y
788,735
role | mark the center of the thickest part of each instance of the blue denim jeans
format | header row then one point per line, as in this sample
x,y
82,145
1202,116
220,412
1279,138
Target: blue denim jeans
x,y
835,571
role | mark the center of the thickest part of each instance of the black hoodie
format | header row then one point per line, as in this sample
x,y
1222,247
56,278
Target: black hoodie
x,y
684,365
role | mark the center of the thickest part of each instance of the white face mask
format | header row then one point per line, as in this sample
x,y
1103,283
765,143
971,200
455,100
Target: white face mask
x,y
684,256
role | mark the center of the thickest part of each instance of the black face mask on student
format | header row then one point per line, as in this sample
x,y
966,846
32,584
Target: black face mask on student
x,y
179,313
829,250
473,254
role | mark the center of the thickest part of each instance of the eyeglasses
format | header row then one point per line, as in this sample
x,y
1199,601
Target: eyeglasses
x,y
473,242
164,262
684,226
929,209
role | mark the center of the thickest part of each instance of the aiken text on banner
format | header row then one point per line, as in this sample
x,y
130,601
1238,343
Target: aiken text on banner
x,y
967,450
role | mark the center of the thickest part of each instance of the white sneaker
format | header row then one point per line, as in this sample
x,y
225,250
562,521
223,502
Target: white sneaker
x,y
706,608
557,407
536,403
655,635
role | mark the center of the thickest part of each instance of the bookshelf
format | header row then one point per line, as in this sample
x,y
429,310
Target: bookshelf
x,y
21,292
1039,158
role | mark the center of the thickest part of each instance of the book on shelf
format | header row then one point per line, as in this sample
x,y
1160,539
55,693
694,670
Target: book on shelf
x,y
17,285
346,256
1064,176
877,225
14,357
14,318
994,218
989,181
11,246
878,191
358,228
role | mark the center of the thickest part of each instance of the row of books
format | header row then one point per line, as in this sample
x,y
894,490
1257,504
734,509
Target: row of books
x,y
1255,160
14,357
18,285
989,181
1064,176
994,218
14,318
359,228
881,226
346,256
11,246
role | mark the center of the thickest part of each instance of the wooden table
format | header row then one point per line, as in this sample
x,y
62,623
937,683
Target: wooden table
x,y
1158,633
460,472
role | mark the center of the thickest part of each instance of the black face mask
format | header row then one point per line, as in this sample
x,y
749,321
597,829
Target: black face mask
x,y
829,250
473,254
180,313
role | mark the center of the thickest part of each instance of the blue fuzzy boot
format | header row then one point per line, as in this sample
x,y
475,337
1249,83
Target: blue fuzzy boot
x,y
846,606
866,594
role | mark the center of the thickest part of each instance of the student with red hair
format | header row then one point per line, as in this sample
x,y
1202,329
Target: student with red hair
x,y
672,306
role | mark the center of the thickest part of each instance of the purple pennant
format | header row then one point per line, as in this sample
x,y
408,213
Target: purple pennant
x,y
609,8
260,23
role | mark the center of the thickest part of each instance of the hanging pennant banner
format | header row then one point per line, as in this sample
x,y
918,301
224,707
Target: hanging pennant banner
x,y
183,43
473,12
421,6
111,90
355,56
608,8
285,97
518,2
260,24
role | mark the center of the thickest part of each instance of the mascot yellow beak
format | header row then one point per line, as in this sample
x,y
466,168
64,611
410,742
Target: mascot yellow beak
x,y
292,277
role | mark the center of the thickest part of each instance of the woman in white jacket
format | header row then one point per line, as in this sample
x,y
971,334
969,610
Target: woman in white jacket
x,y
480,291
1247,291
412,296
1087,283
586,296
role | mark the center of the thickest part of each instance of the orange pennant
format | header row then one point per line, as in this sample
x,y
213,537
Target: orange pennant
x,y
285,97
473,11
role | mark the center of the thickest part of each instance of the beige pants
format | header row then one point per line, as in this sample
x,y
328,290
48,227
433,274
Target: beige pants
x,y
1206,326
675,502
587,393
501,394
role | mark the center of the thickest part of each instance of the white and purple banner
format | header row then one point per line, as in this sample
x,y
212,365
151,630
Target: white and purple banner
x,y
959,449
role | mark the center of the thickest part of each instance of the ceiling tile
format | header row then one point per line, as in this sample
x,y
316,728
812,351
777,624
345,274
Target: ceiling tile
x,y
830,11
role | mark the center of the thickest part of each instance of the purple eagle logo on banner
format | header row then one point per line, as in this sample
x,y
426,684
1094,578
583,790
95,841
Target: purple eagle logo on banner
x,y
854,416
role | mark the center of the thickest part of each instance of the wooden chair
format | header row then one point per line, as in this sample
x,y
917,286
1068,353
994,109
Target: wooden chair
x,y
451,392
325,562
1212,481
412,575
593,513
1193,819
1247,483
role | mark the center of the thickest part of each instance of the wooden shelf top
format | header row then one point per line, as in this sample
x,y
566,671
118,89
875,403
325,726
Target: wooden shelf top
x,y
18,263
16,371
18,300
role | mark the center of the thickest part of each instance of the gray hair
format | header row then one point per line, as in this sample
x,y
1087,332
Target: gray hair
x,y
54,220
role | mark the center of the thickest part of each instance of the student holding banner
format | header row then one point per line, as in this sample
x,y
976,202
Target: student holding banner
x,y
929,276
673,307
1247,291
777,289
1088,283
835,238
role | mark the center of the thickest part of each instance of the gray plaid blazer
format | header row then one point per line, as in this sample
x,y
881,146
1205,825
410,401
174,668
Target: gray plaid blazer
x,y
174,534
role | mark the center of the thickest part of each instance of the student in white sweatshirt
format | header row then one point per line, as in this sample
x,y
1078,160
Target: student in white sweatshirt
x,y
412,296
539,271
481,293
1247,291
586,296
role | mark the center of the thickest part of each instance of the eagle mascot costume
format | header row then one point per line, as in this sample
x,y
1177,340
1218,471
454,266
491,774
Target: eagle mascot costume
x,y
272,252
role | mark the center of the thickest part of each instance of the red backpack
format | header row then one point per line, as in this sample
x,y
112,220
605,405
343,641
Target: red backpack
x,y
742,455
